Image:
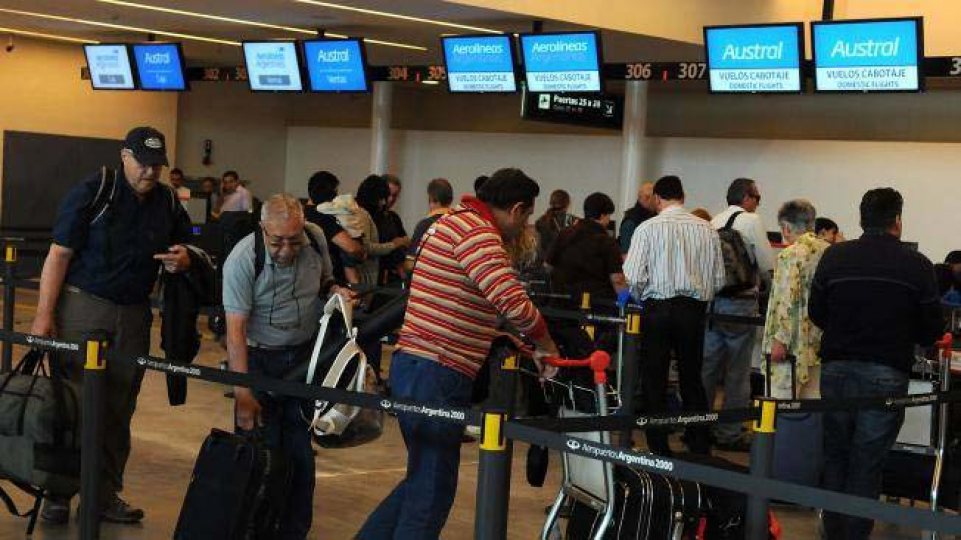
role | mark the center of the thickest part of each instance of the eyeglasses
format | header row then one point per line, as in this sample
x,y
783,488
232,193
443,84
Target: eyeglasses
x,y
273,300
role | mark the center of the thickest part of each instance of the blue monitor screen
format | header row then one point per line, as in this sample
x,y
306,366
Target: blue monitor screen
x,y
160,66
569,62
867,56
479,64
273,66
754,58
109,67
336,65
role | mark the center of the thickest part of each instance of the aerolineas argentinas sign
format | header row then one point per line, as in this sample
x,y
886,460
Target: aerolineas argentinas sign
x,y
868,56
754,59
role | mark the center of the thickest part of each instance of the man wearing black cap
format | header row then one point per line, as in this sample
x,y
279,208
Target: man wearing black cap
x,y
111,232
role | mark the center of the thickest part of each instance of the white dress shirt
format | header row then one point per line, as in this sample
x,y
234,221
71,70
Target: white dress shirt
x,y
752,230
675,254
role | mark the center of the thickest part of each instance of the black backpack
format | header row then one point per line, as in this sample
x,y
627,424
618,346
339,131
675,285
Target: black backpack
x,y
107,192
740,268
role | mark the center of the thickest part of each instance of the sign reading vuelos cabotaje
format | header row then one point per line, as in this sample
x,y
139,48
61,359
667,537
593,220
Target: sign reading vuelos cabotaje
x,y
863,56
567,62
336,65
754,58
160,66
479,64
273,66
109,67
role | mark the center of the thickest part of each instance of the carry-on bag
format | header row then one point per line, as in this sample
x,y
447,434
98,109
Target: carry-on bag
x,y
798,440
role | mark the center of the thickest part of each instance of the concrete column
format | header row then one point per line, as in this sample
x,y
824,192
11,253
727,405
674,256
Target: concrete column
x,y
634,132
380,127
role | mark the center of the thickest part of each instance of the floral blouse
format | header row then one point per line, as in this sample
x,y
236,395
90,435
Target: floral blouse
x,y
787,311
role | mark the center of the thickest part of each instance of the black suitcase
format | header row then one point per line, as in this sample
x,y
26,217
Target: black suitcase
x,y
237,491
908,475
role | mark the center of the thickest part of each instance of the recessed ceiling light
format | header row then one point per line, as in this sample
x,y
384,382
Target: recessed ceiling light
x,y
18,32
247,22
399,16
120,27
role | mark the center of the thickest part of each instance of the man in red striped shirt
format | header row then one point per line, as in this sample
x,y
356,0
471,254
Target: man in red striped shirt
x,y
462,283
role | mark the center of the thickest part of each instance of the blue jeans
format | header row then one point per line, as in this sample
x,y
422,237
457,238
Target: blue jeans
x,y
856,442
418,507
285,428
727,350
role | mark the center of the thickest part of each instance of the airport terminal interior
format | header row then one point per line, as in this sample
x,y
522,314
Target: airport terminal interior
x,y
746,206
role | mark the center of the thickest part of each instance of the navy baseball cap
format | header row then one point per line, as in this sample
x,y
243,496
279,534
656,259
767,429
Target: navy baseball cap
x,y
148,145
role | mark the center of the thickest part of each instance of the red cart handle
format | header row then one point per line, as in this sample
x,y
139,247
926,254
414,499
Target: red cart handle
x,y
945,344
598,361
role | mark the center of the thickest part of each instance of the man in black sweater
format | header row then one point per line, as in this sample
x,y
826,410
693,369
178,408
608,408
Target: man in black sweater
x,y
874,298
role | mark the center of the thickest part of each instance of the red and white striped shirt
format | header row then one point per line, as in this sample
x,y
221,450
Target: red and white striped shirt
x,y
462,281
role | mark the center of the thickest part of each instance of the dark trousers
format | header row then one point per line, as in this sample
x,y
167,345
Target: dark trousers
x,y
677,325
856,442
418,507
129,327
284,428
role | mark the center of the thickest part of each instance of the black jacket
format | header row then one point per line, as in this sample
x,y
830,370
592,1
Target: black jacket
x,y
183,295
875,299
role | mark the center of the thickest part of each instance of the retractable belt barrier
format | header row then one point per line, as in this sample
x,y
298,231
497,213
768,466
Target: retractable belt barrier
x,y
526,430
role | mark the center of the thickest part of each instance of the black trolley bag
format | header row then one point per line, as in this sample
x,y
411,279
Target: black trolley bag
x,y
39,432
237,491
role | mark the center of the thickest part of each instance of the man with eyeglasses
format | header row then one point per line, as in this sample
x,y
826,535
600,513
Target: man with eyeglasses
x,y
728,348
271,323
111,234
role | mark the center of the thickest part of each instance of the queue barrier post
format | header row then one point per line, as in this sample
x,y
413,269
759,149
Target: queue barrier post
x,y
762,457
91,436
495,458
629,368
586,309
9,302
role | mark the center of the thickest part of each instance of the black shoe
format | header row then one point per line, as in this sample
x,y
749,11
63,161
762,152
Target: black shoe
x,y
118,511
55,510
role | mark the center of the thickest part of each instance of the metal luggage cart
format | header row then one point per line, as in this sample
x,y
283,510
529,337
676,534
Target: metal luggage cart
x,y
588,481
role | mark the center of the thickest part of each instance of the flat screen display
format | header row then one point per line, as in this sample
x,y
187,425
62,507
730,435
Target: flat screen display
x,y
109,66
754,59
868,56
479,64
336,65
562,62
273,66
160,66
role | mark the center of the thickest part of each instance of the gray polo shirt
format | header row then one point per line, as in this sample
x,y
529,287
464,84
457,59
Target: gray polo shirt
x,y
283,304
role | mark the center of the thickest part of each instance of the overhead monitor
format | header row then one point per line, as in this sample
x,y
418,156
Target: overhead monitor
x,y
109,66
480,63
273,66
562,62
754,59
160,66
878,55
336,65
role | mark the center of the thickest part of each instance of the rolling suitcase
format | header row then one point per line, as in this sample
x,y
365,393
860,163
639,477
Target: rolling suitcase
x,y
237,491
798,441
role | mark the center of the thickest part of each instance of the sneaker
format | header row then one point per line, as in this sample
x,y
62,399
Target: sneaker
x,y
118,511
56,510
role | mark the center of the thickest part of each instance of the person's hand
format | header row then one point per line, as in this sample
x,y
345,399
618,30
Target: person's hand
x,y
400,242
247,409
43,325
177,259
349,295
546,350
778,352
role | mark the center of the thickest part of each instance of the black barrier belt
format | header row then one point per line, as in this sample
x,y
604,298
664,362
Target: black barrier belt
x,y
619,423
581,317
827,405
736,319
740,482
315,393
40,342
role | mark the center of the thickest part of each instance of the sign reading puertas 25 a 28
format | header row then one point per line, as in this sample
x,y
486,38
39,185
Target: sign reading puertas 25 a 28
x,y
754,58
868,56
109,67
479,64
160,66
273,66
336,65
564,62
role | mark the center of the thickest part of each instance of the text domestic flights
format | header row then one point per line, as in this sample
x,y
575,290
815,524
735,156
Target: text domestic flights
x,y
565,62
109,67
754,58
867,56
479,64
273,66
